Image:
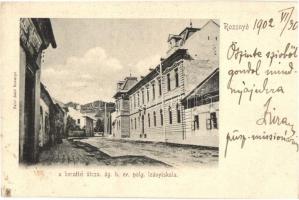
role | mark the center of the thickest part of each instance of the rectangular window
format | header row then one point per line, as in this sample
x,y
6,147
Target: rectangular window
x,y
147,94
178,114
154,92
134,98
196,122
168,82
161,117
142,94
176,78
160,87
138,100
170,116
135,123
78,121
213,120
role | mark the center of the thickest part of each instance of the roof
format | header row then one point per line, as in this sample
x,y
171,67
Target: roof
x,y
201,83
44,27
177,55
45,91
90,117
210,21
126,85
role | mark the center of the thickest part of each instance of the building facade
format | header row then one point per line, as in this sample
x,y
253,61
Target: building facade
x,y
121,116
89,126
156,110
35,36
45,105
100,110
201,110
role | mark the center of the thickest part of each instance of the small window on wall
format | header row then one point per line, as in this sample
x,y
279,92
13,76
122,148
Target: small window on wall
x,y
196,122
135,123
78,121
132,124
216,38
212,121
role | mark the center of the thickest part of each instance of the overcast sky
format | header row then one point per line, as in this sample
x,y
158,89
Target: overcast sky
x,y
93,54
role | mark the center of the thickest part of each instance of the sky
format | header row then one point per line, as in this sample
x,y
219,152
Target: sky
x,y
92,55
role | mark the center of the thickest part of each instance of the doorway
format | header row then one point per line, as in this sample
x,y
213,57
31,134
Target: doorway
x,y
29,117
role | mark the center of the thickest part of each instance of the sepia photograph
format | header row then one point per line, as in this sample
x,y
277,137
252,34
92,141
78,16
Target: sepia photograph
x,y
119,92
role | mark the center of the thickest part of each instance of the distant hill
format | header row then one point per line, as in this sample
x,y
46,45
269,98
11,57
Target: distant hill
x,y
97,107
71,104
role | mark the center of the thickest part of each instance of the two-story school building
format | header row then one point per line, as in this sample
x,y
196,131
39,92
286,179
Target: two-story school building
x,y
156,108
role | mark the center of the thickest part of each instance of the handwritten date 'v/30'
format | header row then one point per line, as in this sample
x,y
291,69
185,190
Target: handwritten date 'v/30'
x,y
286,20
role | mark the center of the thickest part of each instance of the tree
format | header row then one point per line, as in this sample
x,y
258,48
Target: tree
x,y
70,124
99,126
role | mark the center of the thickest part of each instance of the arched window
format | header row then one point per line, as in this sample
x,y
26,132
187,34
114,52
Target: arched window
x,y
161,117
170,115
178,111
149,120
155,119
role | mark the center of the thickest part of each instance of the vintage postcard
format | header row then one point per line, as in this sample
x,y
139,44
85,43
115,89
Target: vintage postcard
x,y
149,99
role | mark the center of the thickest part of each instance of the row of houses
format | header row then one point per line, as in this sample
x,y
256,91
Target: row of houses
x,y
178,100
90,118
53,120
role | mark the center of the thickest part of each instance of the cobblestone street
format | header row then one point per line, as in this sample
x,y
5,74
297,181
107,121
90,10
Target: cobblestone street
x,y
112,152
175,155
80,153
